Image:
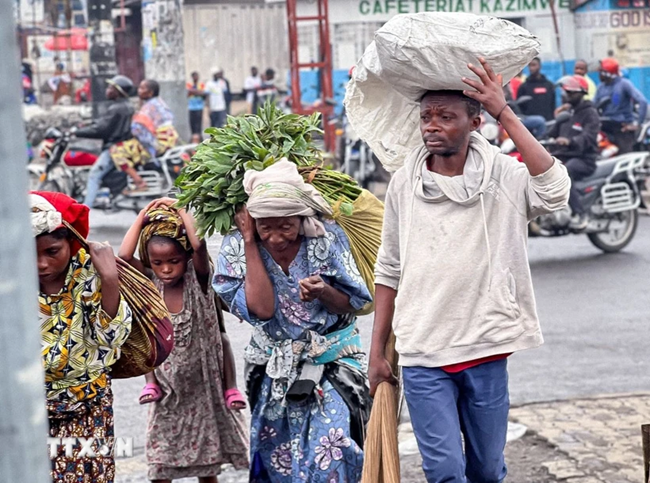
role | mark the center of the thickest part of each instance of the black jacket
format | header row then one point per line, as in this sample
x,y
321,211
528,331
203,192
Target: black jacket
x,y
542,92
114,126
228,95
582,130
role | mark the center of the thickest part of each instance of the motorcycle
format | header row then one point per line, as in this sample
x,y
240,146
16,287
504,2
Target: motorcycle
x,y
358,160
611,196
508,146
71,179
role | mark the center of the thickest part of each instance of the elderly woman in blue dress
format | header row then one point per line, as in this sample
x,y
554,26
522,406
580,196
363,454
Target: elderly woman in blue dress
x,y
290,274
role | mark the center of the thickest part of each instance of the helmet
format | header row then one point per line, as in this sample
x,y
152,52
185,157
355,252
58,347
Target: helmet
x,y
573,83
122,83
610,66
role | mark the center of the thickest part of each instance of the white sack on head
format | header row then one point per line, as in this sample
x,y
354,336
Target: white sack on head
x,y
419,52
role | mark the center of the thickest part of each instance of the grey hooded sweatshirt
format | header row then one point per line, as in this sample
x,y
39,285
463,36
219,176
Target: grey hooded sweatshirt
x,y
455,249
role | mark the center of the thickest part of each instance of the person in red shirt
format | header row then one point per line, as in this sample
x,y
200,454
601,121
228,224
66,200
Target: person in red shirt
x,y
83,94
516,83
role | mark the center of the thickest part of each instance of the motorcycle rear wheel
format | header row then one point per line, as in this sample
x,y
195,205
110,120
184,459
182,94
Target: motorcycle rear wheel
x,y
615,240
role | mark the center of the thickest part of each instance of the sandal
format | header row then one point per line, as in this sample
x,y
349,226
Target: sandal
x,y
150,393
234,399
141,188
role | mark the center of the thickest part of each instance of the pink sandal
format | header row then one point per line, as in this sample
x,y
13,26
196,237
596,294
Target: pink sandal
x,y
150,393
233,396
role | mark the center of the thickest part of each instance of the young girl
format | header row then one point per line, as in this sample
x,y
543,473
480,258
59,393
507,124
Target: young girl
x,y
191,430
84,322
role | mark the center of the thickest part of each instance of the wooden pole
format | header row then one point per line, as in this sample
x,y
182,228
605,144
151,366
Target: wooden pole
x,y
381,459
645,433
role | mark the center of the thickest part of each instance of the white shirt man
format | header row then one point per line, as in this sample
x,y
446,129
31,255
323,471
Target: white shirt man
x,y
251,84
217,89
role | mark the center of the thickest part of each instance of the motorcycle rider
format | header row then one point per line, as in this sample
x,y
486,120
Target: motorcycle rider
x,y
113,127
621,124
577,141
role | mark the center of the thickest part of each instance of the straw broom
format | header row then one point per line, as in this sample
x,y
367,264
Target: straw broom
x,y
381,458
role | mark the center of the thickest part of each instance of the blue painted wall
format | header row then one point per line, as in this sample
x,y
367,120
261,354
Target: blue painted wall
x,y
310,89
640,77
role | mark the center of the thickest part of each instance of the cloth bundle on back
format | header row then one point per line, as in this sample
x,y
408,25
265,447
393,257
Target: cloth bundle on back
x,y
415,53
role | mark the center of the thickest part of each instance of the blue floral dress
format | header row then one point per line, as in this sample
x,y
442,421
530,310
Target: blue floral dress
x,y
310,440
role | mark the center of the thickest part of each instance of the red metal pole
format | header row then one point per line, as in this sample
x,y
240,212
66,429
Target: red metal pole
x,y
324,64
557,35
296,101
326,78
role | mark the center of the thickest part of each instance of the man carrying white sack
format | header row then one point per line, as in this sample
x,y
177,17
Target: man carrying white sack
x,y
452,277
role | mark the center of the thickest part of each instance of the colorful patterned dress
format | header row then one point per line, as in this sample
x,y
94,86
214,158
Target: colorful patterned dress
x,y
79,344
153,126
308,440
153,134
191,433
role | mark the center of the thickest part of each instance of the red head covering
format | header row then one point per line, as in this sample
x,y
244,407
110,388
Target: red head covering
x,y
610,66
74,213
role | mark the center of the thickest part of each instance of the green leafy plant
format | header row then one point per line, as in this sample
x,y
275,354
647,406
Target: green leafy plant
x,y
338,189
212,183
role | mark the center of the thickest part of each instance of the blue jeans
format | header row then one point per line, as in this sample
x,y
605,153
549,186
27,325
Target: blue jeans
x,y
536,125
100,169
474,402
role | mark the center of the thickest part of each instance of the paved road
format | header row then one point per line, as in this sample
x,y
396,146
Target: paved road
x,y
593,307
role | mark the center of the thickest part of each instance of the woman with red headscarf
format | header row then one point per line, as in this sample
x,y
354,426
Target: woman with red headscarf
x,y
84,322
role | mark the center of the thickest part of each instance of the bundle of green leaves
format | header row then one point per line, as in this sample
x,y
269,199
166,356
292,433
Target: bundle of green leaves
x,y
212,182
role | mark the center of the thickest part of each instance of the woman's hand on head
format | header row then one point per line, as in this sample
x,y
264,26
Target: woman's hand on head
x,y
149,207
245,224
155,204
167,202
488,90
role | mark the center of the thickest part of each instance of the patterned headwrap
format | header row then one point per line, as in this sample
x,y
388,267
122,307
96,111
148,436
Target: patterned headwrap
x,y
280,191
49,210
164,222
